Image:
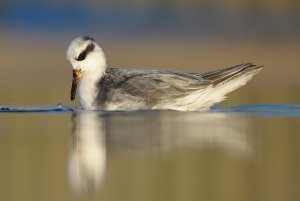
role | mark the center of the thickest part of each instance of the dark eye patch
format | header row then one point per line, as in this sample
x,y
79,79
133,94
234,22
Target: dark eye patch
x,y
81,56
85,52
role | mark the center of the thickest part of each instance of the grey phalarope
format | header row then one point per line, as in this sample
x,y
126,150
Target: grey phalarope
x,y
103,88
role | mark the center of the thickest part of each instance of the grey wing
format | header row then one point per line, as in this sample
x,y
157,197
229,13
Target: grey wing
x,y
155,85
123,88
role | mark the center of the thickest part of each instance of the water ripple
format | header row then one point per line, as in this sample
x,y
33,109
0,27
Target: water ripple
x,y
248,109
262,109
37,109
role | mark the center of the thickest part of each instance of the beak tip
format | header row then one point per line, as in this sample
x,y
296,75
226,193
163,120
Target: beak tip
x,y
72,96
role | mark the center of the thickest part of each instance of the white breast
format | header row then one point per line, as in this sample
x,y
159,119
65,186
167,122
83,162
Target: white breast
x,y
87,92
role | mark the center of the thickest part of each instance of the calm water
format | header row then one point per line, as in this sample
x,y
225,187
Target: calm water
x,y
246,152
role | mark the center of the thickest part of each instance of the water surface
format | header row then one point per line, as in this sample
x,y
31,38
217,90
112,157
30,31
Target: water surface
x,y
244,152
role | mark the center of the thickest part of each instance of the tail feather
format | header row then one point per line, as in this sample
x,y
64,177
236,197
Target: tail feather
x,y
225,75
222,82
227,80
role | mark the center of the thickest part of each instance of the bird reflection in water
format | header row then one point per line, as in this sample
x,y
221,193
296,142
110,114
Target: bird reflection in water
x,y
87,158
166,131
150,133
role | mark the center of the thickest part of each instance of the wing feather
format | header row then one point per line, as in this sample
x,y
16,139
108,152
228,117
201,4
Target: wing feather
x,y
157,85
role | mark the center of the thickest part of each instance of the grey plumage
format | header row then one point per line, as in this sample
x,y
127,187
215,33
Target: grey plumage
x,y
148,88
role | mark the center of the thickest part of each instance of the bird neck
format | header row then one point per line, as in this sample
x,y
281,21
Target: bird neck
x,y
88,88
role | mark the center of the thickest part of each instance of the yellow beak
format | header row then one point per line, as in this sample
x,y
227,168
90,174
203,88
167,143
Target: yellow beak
x,y
76,77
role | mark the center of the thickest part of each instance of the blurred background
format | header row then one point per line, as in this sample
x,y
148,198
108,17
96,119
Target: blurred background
x,y
182,35
150,155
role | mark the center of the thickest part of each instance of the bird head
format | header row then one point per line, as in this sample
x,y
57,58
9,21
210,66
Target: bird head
x,y
86,58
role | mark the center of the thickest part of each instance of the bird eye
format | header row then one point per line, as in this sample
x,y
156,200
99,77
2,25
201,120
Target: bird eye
x,y
81,57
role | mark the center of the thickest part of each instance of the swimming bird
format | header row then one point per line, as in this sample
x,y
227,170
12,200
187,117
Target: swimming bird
x,y
103,88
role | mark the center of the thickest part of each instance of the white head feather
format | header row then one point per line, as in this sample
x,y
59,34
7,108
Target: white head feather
x,y
87,57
